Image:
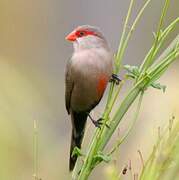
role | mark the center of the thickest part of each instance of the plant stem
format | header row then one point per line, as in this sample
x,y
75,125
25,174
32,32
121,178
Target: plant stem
x,y
35,151
118,58
131,126
150,58
126,103
123,48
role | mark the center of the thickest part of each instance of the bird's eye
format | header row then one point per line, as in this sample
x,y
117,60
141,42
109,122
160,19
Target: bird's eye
x,y
81,33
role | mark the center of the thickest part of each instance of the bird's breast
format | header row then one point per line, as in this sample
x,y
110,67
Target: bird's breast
x,y
91,73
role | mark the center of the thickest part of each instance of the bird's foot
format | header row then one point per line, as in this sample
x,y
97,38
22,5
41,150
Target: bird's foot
x,y
98,123
115,78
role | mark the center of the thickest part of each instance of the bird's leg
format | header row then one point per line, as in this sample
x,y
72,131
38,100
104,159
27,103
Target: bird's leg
x,y
115,78
98,122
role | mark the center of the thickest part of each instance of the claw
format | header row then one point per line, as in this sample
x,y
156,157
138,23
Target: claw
x,y
115,78
98,123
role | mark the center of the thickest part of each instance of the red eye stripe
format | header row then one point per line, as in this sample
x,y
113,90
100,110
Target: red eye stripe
x,y
82,33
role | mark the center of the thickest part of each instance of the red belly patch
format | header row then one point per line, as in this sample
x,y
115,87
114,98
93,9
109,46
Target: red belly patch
x,y
101,86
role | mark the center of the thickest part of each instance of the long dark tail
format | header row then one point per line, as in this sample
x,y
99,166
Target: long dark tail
x,y
78,123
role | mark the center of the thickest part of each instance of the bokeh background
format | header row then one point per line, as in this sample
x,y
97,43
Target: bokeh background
x,y
33,53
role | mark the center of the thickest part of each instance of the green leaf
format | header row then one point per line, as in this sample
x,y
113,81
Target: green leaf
x,y
77,152
158,86
102,157
133,71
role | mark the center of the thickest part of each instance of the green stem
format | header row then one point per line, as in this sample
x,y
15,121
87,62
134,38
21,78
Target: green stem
x,y
123,48
162,38
121,140
119,53
126,103
150,58
35,151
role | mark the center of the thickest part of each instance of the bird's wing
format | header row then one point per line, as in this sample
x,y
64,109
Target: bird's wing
x,y
69,86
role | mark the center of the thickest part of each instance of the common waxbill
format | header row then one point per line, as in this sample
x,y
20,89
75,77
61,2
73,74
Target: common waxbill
x,y
87,74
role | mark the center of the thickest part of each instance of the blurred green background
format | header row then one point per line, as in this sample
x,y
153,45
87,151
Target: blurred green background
x,y
33,53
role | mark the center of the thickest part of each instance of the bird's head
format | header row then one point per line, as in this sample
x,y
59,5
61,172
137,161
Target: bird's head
x,y
86,37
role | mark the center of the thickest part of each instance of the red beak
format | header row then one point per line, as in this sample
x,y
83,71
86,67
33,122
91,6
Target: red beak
x,y
71,36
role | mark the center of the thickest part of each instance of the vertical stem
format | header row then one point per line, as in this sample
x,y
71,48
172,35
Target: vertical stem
x,y
35,151
118,57
125,42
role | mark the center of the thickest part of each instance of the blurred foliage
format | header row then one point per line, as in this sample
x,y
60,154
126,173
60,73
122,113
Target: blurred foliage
x,y
163,162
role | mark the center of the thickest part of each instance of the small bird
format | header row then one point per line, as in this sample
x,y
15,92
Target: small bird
x,y
87,74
